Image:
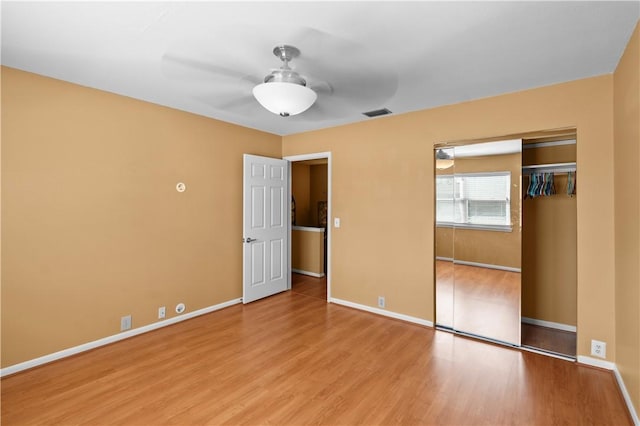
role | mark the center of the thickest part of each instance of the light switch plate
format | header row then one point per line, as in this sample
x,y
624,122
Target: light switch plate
x,y
336,222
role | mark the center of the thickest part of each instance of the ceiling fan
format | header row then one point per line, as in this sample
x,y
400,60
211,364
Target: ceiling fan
x,y
284,91
227,77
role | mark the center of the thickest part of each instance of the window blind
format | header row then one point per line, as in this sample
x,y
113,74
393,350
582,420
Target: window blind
x,y
474,198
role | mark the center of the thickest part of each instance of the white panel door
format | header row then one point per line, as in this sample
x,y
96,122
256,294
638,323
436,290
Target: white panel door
x,y
265,230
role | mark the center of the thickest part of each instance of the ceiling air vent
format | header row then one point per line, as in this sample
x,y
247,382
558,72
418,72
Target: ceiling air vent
x,y
377,112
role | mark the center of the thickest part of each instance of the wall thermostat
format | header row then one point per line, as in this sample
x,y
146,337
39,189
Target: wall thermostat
x,y
181,187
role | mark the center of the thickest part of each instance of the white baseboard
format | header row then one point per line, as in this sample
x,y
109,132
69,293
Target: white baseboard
x,y
627,397
382,312
111,339
549,324
446,259
594,362
486,265
311,274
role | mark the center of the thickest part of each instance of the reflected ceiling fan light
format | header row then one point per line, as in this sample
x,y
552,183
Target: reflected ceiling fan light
x,y
443,160
284,98
443,164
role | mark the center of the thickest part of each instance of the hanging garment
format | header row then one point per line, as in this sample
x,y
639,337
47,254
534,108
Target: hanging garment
x,y
549,188
541,185
571,184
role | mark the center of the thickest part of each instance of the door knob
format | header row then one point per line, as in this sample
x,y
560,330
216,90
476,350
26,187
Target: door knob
x,y
250,240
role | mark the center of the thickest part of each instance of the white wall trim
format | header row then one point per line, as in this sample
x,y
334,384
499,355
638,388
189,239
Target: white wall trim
x,y
305,157
446,259
311,274
627,397
549,324
594,362
382,312
307,229
486,265
111,339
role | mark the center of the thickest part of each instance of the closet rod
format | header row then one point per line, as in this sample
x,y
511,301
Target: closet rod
x,y
554,168
548,144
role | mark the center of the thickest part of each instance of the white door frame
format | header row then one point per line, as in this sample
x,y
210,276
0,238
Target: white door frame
x,y
316,156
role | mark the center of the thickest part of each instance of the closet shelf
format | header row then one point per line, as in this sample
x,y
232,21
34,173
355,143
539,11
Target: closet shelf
x,y
554,168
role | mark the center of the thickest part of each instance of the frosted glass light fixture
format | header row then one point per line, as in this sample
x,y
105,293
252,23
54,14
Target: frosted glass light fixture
x,y
284,98
284,91
443,160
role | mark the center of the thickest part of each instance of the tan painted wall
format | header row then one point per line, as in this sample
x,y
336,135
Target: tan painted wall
x,y
444,242
318,190
307,251
309,185
549,252
549,155
301,190
549,255
382,172
626,85
92,226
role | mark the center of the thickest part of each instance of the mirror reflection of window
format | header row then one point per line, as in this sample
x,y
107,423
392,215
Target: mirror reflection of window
x,y
474,199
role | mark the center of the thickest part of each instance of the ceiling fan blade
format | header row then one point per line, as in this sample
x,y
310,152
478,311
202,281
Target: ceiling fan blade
x,y
234,101
176,66
320,87
325,108
348,72
363,90
238,103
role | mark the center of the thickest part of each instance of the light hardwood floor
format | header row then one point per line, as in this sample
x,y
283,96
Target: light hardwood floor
x,y
292,359
481,301
486,302
309,286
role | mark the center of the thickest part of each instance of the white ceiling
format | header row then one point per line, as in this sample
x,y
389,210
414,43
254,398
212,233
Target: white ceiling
x,y
205,57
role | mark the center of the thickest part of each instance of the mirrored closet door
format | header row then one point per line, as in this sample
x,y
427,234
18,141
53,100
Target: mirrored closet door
x,y
478,239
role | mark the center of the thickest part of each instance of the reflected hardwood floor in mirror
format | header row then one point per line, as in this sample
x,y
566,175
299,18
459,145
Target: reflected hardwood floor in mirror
x,y
309,286
291,359
486,302
444,293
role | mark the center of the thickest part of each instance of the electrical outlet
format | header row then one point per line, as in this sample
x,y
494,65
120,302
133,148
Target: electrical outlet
x,y
381,302
598,348
125,323
162,312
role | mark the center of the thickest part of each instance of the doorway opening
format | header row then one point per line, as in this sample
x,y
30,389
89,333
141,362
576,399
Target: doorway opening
x,y
310,230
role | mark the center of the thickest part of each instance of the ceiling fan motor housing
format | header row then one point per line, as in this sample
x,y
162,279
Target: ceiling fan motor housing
x,y
285,76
